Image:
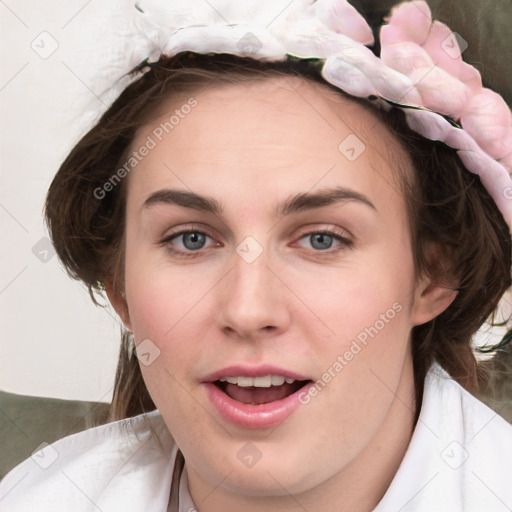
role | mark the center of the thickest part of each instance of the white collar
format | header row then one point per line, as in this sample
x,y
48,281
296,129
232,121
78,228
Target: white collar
x,y
459,457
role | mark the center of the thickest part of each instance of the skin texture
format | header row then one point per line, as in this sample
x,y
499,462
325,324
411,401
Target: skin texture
x,y
251,148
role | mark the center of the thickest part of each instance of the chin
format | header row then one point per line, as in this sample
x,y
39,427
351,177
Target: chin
x,y
267,480
273,474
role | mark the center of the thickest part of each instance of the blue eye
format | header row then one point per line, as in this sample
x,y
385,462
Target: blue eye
x,y
324,240
191,241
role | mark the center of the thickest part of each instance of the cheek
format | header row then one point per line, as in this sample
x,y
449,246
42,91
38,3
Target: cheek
x,y
153,311
170,320
368,312
160,296
168,306
167,317
363,300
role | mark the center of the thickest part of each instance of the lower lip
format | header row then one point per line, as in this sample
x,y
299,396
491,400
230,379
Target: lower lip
x,y
261,416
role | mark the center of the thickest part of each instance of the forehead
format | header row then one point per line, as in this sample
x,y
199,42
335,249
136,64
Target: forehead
x,y
308,106
276,132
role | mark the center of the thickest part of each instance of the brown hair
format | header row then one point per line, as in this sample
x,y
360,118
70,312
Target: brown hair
x,y
446,204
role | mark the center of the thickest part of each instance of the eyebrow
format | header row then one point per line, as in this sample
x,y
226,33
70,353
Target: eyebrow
x,y
300,202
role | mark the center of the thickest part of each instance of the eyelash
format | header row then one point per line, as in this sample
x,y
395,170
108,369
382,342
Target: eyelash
x,y
345,243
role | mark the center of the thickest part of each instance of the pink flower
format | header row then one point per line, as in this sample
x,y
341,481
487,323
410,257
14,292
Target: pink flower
x,y
488,120
416,47
428,53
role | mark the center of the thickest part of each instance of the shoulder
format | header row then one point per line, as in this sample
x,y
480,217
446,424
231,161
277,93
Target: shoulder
x,y
122,465
459,457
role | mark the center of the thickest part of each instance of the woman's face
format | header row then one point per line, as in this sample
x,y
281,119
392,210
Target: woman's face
x,y
297,264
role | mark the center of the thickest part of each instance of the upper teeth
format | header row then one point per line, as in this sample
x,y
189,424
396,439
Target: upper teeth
x,y
259,382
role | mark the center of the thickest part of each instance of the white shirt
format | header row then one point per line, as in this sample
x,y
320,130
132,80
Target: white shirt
x,y
459,459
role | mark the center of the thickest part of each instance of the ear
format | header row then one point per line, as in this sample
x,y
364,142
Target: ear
x,y
431,298
118,301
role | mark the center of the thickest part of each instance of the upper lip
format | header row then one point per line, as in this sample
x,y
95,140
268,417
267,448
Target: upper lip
x,y
253,371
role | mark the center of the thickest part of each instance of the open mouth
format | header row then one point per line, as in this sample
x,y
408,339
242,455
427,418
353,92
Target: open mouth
x,y
260,390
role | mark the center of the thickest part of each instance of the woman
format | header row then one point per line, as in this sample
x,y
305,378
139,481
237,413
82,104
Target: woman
x,y
301,274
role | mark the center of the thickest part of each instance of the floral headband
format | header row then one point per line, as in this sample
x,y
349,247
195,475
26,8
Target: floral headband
x,y
420,68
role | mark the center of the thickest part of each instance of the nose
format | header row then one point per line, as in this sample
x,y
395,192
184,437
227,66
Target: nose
x,y
254,301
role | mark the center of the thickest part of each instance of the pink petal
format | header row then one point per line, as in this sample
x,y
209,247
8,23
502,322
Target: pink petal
x,y
460,139
348,77
388,83
440,91
396,87
390,34
471,77
413,19
429,124
506,161
438,47
488,120
405,57
340,16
